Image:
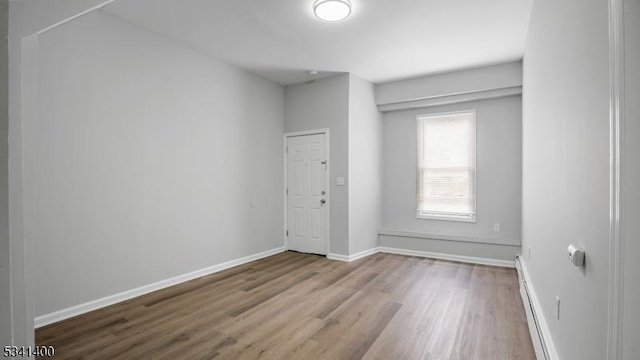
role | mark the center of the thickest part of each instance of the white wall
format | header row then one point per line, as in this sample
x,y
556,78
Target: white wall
x,y
152,161
365,166
498,181
5,248
325,104
566,169
630,191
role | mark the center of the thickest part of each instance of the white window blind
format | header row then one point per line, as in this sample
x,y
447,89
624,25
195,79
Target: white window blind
x,y
446,166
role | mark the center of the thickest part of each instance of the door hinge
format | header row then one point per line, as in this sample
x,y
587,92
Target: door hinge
x,y
287,232
286,149
286,191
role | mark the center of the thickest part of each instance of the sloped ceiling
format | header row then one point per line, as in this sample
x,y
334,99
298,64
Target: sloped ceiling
x,y
383,40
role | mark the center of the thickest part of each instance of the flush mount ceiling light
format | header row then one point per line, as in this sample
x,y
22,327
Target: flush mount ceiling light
x,y
332,10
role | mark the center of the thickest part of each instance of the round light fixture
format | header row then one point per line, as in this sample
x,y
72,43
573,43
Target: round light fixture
x,y
332,10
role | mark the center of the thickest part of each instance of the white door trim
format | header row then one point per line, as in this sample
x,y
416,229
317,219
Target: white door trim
x,y
285,184
22,119
616,128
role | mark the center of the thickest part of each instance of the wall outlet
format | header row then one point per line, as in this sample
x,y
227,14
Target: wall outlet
x,y
558,307
496,227
529,252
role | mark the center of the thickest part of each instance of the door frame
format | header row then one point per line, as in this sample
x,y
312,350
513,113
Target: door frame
x,y
285,184
619,160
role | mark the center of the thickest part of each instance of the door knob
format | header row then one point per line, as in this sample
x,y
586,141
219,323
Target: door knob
x,y
323,201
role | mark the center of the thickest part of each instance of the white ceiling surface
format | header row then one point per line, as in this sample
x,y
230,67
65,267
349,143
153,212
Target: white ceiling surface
x,y
382,40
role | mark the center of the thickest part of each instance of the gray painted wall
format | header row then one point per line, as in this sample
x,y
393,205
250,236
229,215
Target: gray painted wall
x,y
448,247
25,18
153,162
325,104
5,248
365,166
464,81
630,191
498,179
566,169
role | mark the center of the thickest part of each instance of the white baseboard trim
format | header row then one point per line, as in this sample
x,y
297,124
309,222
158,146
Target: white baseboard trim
x,y
67,313
338,257
354,257
364,253
459,258
542,322
80,309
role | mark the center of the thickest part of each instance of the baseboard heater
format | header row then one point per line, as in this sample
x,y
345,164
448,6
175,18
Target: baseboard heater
x,y
532,319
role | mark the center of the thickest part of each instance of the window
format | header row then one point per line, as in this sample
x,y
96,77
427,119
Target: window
x,y
446,167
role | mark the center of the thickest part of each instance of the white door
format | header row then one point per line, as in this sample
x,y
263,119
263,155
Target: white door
x,y
306,193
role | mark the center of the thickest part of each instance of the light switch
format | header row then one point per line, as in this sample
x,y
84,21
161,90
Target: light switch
x,y
340,181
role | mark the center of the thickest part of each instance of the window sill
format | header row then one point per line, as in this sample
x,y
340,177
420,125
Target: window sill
x,y
456,218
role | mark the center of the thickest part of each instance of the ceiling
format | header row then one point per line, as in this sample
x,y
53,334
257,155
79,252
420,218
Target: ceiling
x,y
382,40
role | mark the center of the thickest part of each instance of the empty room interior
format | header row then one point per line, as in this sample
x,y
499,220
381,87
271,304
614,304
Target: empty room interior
x,y
320,179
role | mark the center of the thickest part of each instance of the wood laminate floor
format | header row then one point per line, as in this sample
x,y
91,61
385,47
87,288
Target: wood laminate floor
x,y
298,306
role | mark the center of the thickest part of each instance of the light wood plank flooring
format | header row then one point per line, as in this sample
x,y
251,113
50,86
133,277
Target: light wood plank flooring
x,y
298,306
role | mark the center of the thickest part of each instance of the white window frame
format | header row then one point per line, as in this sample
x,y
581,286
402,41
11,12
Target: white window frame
x,y
431,215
